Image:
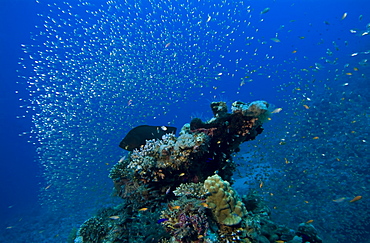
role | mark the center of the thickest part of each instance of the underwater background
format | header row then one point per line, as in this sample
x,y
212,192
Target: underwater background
x,y
76,76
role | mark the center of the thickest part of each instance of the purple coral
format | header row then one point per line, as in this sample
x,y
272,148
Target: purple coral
x,y
186,222
190,227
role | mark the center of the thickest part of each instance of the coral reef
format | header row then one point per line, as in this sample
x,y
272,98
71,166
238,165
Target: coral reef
x,y
201,149
184,185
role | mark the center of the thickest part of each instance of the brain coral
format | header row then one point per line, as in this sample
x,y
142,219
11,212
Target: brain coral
x,y
226,206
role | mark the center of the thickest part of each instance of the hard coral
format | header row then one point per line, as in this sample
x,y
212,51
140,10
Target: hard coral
x,y
258,109
226,206
93,230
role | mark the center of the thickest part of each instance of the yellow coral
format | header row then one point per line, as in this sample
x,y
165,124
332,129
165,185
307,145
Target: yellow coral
x,y
226,206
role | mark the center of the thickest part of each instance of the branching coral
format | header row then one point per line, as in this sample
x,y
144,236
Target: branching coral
x,y
195,190
186,220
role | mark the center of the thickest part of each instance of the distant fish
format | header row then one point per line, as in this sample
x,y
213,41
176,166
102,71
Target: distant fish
x,y
339,199
277,110
168,190
138,135
161,220
344,16
275,40
47,187
309,221
143,209
355,199
265,10
205,205
114,217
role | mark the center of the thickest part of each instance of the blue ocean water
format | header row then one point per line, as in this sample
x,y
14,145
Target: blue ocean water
x,y
76,76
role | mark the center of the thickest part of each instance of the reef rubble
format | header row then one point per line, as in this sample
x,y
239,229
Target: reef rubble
x,y
179,189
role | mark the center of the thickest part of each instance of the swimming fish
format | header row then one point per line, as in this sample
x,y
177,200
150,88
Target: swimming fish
x,y
143,209
204,205
277,110
114,217
161,220
309,221
355,199
265,10
339,199
138,135
275,40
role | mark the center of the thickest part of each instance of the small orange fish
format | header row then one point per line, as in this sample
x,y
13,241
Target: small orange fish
x,y
279,241
204,205
306,106
349,74
295,51
356,199
143,209
355,69
114,217
182,174
261,184
309,221
200,236
315,138
176,207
